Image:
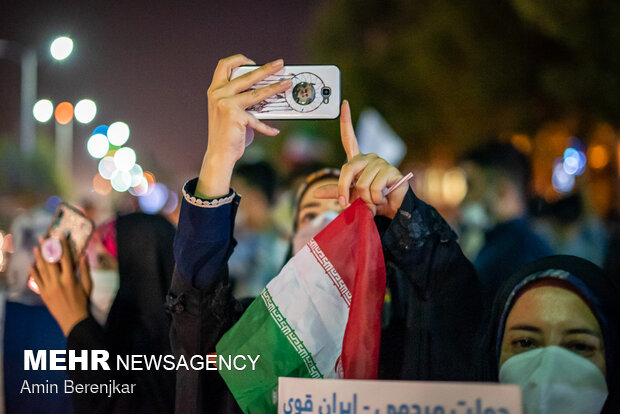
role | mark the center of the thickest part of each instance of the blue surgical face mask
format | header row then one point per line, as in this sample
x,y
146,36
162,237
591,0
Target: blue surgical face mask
x,y
554,380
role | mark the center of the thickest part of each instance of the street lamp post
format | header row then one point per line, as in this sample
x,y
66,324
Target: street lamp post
x,y
64,113
28,97
27,59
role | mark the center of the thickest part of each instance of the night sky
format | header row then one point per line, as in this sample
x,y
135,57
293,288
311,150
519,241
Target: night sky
x,y
146,63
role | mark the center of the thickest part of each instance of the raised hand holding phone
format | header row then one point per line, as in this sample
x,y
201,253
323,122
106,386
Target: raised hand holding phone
x,y
230,125
365,176
314,93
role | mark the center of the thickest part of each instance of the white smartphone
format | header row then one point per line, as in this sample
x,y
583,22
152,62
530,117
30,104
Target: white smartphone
x,y
315,93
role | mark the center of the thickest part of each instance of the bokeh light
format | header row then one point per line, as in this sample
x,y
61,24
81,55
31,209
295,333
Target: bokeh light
x,y
85,111
432,184
43,110
454,186
101,129
561,180
140,189
98,146
574,142
599,156
64,113
136,175
118,133
155,200
121,180
522,142
61,48
571,161
125,159
574,161
101,185
150,179
52,203
171,203
106,167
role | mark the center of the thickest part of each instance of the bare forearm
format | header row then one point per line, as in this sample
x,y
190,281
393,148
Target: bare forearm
x,y
215,176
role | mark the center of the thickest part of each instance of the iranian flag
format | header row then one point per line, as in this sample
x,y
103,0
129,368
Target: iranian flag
x,y
319,318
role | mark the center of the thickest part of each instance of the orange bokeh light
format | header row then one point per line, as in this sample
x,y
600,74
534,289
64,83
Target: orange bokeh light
x,y
63,113
598,156
150,178
522,143
101,185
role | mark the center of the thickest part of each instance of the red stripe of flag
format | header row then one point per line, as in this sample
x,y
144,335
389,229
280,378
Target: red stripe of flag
x,y
352,244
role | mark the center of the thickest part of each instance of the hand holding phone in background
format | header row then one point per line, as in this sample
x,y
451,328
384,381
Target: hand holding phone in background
x,y
70,222
65,295
57,258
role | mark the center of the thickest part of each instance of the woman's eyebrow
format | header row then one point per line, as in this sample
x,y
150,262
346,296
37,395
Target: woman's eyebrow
x,y
583,331
525,328
308,205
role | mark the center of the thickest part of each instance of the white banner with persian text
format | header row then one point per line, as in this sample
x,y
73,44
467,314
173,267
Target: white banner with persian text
x,y
324,396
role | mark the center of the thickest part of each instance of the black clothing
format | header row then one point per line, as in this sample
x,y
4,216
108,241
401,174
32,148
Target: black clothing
x,y
508,247
137,322
431,320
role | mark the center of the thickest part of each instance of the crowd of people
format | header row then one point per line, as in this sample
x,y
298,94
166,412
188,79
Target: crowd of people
x,y
518,313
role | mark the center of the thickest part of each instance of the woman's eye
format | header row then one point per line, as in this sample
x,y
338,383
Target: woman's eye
x,y
308,217
581,348
524,344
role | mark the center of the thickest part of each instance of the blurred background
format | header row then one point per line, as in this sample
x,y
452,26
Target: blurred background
x,y
434,79
103,104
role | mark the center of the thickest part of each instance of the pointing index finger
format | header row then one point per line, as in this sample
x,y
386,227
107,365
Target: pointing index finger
x,y
347,133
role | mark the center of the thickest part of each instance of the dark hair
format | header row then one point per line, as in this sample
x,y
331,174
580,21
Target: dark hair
x,y
261,175
503,159
311,179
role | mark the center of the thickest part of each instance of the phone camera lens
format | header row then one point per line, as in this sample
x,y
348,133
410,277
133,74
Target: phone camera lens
x,y
326,91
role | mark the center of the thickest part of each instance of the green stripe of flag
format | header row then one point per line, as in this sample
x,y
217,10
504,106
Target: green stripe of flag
x,y
262,324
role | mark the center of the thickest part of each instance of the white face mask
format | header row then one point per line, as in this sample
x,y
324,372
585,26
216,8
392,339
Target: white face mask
x,y
105,287
555,380
304,235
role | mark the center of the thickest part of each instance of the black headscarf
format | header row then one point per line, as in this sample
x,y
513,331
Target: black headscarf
x,y
597,289
137,322
145,264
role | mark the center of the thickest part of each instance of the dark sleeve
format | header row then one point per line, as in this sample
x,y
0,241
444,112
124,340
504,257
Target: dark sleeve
x,y
204,241
88,335
435,299
200,298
